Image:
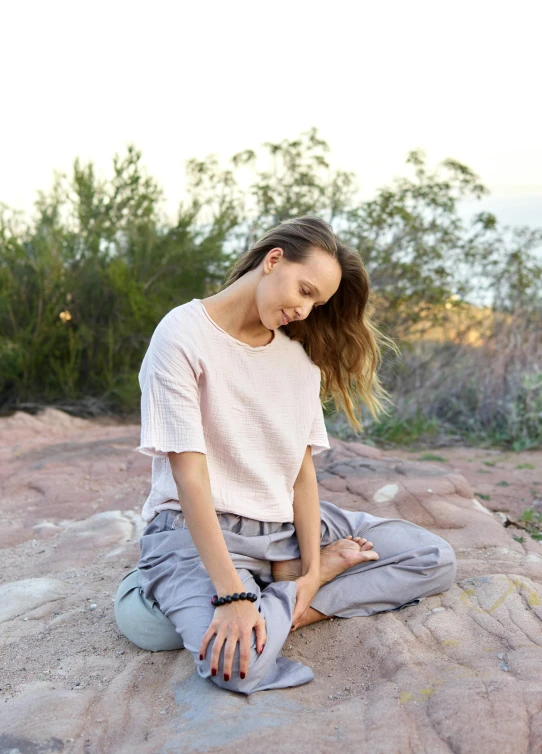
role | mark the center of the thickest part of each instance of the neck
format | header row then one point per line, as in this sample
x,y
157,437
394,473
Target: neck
x,y
234,309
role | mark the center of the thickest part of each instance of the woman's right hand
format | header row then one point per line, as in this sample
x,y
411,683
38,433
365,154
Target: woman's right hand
x,y
232,623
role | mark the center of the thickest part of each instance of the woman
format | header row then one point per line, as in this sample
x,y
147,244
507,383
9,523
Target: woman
x,y
231,415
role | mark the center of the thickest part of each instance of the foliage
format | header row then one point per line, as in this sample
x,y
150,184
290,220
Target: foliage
x,y
533,521
432,457
82,289
84,282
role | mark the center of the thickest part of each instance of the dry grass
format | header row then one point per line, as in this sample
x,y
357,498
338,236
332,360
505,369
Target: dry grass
x,y
474,377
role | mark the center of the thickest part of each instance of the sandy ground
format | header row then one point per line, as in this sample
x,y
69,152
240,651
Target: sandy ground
x,y
504,481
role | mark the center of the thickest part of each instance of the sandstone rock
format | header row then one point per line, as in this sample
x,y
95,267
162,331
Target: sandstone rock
x,y
18,597
460,672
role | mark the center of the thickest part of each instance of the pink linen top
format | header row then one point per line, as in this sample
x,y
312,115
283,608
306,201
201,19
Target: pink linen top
x,y
251,409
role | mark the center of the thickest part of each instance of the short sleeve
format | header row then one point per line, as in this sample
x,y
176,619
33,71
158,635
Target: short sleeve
x,y
170,408
318,438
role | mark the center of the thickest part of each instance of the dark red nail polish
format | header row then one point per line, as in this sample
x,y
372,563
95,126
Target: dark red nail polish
x,y
262,649
213,671
242,675
201,657
226,677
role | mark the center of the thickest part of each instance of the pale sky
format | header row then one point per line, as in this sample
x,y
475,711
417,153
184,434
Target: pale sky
x,y
183,80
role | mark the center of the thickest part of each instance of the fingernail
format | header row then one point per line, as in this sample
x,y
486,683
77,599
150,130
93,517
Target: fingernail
x,y
262,649
201,657
226,677
242,675
213,671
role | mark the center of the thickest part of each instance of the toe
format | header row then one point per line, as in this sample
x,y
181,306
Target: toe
x,y
368,555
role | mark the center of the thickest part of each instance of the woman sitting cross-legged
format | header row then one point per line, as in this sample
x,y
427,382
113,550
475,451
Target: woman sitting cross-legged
x,y
238,549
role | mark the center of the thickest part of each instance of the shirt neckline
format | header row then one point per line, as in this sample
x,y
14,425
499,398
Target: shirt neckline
x,y
246,346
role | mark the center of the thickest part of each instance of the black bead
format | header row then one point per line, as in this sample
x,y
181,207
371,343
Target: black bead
x,y
254,597
243,596
235,597
221,601
227,598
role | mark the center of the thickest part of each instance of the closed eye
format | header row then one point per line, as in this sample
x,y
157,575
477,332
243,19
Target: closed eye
x,y
308,293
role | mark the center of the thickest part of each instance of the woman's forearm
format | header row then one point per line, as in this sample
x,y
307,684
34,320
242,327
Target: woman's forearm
x,y
307,521
202,522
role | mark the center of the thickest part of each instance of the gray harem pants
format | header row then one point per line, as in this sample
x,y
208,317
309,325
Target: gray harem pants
x,y
165,602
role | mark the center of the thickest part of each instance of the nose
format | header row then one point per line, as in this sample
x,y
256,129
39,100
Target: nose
x,y
302,312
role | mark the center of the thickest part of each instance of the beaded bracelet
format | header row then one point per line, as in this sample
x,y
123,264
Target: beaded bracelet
x,y
216,601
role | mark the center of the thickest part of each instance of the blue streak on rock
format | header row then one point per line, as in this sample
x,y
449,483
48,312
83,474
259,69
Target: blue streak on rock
x,y
212,716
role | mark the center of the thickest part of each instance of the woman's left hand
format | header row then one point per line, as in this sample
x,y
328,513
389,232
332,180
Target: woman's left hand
x,y
307,586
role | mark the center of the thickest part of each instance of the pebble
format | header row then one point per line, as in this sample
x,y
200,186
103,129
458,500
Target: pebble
x,y
438,610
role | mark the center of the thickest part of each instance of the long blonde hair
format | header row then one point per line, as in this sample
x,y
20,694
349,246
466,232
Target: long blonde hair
x,y
340,336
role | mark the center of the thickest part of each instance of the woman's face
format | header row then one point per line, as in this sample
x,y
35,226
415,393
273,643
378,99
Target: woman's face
x,y
296,289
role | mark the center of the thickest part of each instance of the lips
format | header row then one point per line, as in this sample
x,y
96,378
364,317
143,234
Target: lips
x,y
285,319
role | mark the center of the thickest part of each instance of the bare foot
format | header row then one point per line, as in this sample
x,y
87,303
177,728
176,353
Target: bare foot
x,y
343,554
334,559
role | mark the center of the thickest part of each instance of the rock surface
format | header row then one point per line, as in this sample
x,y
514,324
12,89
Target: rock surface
x,y
460,672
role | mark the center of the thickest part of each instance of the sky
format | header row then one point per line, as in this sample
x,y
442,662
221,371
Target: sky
x,y
184,80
